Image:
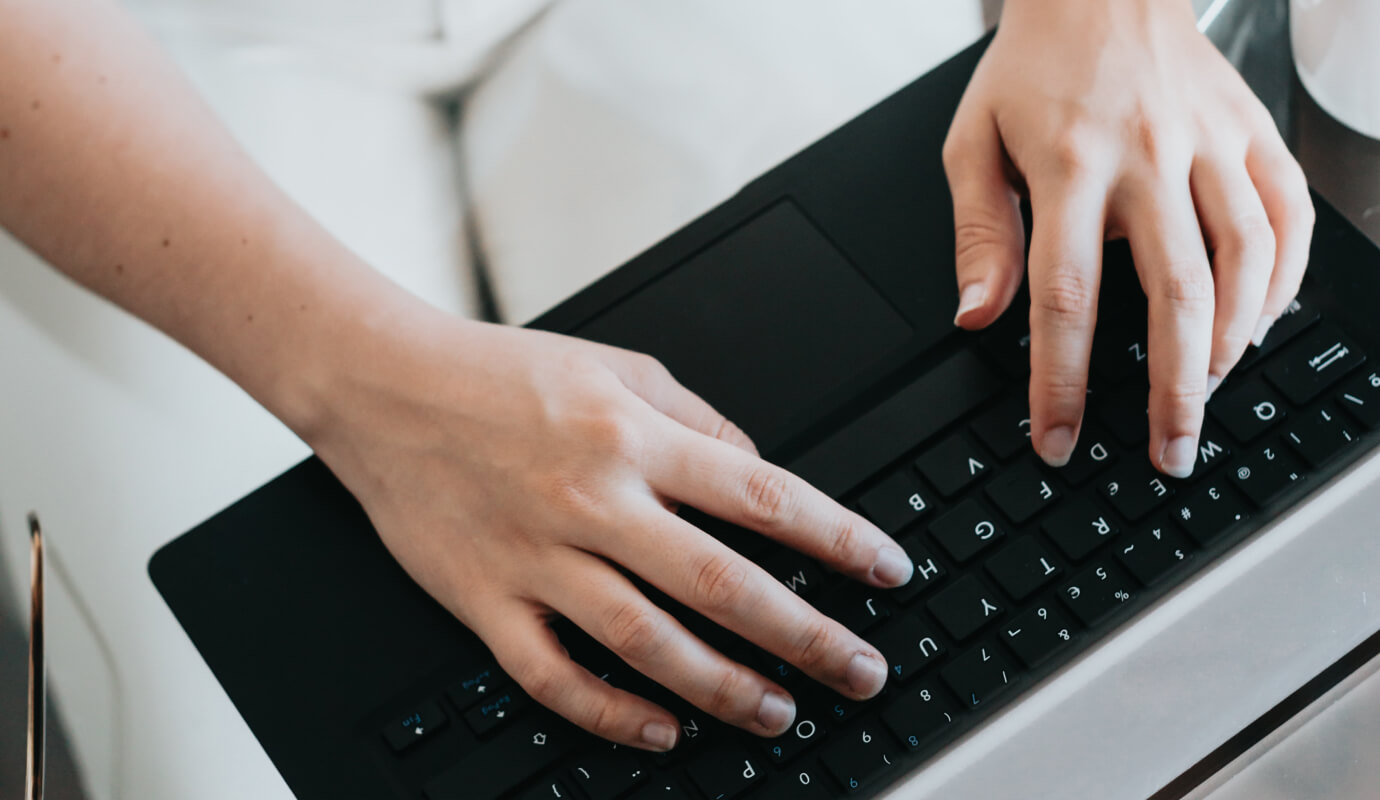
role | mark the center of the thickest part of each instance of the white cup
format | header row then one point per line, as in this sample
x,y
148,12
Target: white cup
x,y
1337,54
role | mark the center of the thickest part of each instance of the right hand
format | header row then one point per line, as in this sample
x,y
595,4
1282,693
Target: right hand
x,y
511,472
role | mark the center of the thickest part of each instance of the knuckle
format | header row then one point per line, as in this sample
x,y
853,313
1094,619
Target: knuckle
x,y
719,583
1183,400
541,679
635,633
813,645
616,435
1067,295
1156,140
846,544
767,497
1186,286
977,235
604,719
723,700
1251,237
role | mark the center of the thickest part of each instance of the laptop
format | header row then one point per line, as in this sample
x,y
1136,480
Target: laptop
x,y
1091,631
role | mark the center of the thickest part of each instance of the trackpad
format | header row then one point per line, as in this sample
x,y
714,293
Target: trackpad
x,y
762,323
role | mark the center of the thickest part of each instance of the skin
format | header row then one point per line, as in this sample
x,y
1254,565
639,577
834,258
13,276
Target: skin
x,y
509,470
1139,129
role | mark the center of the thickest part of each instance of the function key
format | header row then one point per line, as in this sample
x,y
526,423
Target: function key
x,y
908,645
1036,633
476,685
1079,528
1306,368
1361,398
1095,451
1264,474
1135,489
953,464
1318,436
1022,492
725,773
896,502
1248,409
917,715
1023,567
1097,591
979,674
928,571
965,607
1296,319
415,726
966,530
1209,512
1005,430
1150,552
858,755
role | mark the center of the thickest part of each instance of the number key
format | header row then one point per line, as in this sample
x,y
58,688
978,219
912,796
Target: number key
x,y
1038,632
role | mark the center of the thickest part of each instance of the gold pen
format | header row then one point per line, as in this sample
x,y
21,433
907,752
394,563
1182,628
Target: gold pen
x,y
33,784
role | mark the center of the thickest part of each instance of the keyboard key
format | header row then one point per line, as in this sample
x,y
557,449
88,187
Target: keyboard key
x,y
966,530
928,570
1264,474
1135,489
725,773
804,734
965,607
795,569
1124,413
1078,528
1095,451
416,725
1318,436
917,715
549,789
1248,409
1296,319
607,773
1308,367
1022,492
774,667
1213,449
486,716
1209,512
1097,591
1023,567
477,685
804,781
1007,341
1005,430
1151,551
858,755
896,502
859,608
659,789
1119,348
908,645
953,464
1037,632
1361,398
979,674
527,747
899,423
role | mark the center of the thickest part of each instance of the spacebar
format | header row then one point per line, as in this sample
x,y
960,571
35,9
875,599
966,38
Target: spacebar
x,y
523,750
899,423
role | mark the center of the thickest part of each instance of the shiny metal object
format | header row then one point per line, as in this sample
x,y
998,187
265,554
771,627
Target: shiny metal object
x,y
33,782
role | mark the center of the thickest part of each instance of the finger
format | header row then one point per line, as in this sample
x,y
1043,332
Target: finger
x,y
755,494
989,236
649,379
1167,246
739,595
528,650
1243,256
1284,193
1065,272
606,605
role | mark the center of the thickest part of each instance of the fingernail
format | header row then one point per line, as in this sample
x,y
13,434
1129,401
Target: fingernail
x,y
893,567
972,297
1261,328
659,736
865,675
1212,384
776,713
1178,456
1057,446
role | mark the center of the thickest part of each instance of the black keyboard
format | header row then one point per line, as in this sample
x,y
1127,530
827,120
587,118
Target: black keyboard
x,y
1017,568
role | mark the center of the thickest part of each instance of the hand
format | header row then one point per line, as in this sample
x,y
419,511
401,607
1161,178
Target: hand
x,y
1120,119
510,470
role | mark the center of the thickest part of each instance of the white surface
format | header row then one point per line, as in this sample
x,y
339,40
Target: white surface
x,y
1337,53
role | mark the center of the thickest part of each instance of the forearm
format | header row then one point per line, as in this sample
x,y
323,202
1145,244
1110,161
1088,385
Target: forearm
x,y
115,172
